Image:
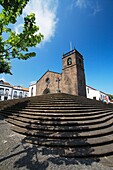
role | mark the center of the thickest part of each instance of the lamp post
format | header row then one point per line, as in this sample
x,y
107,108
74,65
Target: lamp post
x,y
58,80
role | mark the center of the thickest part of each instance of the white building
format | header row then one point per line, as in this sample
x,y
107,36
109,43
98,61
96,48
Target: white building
x,y
5,90
96,94
8,91
20,92
32,89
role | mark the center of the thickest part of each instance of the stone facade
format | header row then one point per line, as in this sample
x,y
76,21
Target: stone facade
x,y
71,80
73,77
48,83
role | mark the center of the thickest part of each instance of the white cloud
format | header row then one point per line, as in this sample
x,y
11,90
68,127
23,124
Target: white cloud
x,y
81,3
92,6
33,82
97,9
46,17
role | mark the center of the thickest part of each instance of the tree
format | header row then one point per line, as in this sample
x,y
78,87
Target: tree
x,y
110,96
12,44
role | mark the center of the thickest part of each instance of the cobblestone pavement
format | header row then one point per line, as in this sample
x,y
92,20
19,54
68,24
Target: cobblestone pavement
x,y
16,154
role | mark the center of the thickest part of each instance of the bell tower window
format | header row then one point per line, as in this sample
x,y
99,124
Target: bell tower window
x,y
69,61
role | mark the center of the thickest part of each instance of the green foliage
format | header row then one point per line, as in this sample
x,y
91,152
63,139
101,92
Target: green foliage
x,y
111,97
16,45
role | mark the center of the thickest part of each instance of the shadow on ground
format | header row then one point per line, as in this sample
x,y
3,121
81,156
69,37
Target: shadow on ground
x,y
42,156
39,158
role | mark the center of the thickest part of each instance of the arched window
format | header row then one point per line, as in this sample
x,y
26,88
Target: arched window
x,y
47,80
69,61
6,92
20,95
25,94
1,82
15,94
1,91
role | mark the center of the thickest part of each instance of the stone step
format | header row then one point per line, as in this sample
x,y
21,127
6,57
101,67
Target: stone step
x,y
85,112
66,114
105,121
72,143
58,128
62,118
52,100
69,101
60,101
62,107
72,125
51,110
62,135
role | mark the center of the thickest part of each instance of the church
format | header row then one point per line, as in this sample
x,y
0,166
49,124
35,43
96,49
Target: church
x,y
70,81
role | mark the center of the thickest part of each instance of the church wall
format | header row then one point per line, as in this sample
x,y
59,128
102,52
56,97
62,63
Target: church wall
x,y
69,74
69,81
43,86
81,76
73,77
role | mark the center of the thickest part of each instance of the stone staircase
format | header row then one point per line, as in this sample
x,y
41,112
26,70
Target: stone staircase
x,y
74,126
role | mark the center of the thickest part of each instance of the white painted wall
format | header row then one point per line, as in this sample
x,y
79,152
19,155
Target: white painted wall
x,y
20,93
7,91
96,94
91,93
25,93
32,90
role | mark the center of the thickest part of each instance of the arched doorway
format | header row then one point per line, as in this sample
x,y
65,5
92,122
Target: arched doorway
x,y
32,91
46,91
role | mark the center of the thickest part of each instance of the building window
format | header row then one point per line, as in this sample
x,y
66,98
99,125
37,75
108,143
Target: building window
x,y
25,94
101,97
47,80
69,61
1,91
1,82
88,90
15,94
20,95
6,92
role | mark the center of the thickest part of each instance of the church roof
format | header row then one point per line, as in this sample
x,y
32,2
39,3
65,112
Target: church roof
x,y
46,73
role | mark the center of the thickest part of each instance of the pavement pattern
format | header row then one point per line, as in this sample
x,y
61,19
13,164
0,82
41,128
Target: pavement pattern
x,y
16,154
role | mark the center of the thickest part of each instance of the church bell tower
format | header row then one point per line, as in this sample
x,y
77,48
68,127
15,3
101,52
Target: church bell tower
x,y
73,76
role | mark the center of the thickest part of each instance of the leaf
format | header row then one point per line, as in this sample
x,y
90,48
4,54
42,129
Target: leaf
x,y
16,45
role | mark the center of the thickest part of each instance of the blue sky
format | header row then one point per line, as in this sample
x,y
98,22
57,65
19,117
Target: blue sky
x,y
87,24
